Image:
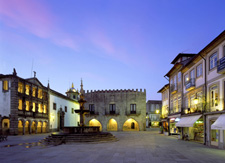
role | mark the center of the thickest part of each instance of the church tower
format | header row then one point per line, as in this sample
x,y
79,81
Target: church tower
x,y
73,93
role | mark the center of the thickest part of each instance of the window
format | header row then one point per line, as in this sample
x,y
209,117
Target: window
x,y
175,105
132,108
199,70
175,82
27,105
54,106
20,87
224,50
199,105
5,85
213,61
192,74
45,109
192,104
112,108
72,110
20,107
179,77
34,107
27,91
40,93
65,108
214,96
34,92
186,78
92,108
40,109
179,103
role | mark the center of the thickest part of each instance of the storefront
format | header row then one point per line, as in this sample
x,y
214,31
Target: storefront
x,y
165,126
216,130
192,127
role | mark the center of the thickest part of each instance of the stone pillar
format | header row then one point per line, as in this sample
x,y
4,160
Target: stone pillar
x,y
23,123
14,106
41,127
30,127
36,127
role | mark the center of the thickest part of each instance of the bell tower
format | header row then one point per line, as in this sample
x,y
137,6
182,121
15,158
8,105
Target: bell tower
x,y
73,93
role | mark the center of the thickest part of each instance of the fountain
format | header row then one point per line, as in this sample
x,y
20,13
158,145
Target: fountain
x,y
81,133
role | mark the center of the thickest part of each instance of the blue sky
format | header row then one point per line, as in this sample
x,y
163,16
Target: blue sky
x,y
110,44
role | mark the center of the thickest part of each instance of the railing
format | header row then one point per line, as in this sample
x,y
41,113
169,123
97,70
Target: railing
x,y
173,88
93,113
128,113
174,110
111,113
24,113
191,110
41,115
221,66
190,84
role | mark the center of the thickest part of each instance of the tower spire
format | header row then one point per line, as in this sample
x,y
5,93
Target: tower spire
x,y
72,85
81,87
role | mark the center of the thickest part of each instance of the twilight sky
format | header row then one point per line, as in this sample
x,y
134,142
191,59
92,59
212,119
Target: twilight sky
x,y
113,44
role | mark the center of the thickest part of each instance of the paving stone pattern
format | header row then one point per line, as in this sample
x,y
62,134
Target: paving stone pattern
x,y
143,147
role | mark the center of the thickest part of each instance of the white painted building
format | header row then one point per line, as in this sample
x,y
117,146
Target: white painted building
x,y
62,109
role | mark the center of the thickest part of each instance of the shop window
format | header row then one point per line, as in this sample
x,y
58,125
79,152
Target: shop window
x,y
20,107
27,105
214,98
27,90
213,61
20,87
5,85
34,92
200,102
192,104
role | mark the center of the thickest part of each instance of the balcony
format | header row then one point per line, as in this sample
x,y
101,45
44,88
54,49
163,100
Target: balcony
x,y
173,88
24,113
221,66
135,113
190,84
192,110
92,113
41,115
111,113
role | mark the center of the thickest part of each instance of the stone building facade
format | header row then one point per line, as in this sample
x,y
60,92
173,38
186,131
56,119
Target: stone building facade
x,y
116,110
153,110
23,105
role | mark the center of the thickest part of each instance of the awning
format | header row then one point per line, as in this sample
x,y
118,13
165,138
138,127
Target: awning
x,y
219,124
187,121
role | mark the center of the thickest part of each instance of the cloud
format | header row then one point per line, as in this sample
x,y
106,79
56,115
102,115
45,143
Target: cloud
x,y
34,17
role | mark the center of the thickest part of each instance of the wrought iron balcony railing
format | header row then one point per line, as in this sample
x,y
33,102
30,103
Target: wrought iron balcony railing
x,y
190,84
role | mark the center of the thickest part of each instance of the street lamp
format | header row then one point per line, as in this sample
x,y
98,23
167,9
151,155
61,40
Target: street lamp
x,y
157,111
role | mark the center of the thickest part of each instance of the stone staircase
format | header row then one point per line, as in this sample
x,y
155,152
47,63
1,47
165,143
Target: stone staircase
x,y
60,138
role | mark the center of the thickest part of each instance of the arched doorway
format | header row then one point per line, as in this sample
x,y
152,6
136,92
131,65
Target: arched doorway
x,y
27,127
130,125
39,127
44,127
5,125
112,125
20,127
95,122
33,127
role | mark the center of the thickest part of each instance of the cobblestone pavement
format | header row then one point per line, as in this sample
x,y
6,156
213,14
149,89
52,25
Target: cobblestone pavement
x,y
132,147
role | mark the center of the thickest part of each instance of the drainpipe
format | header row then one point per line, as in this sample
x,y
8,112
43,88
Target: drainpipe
x,y
204,116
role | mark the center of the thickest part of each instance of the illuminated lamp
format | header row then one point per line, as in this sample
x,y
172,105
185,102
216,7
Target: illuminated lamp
x,y
196,100
157,111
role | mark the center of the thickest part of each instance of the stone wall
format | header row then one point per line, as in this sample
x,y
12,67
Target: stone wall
x,y
122,99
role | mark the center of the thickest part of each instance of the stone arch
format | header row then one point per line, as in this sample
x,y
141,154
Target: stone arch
x,y
33,127
39,127
20,126
44,126
112,125
130,125
95,122
5,125
27,124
